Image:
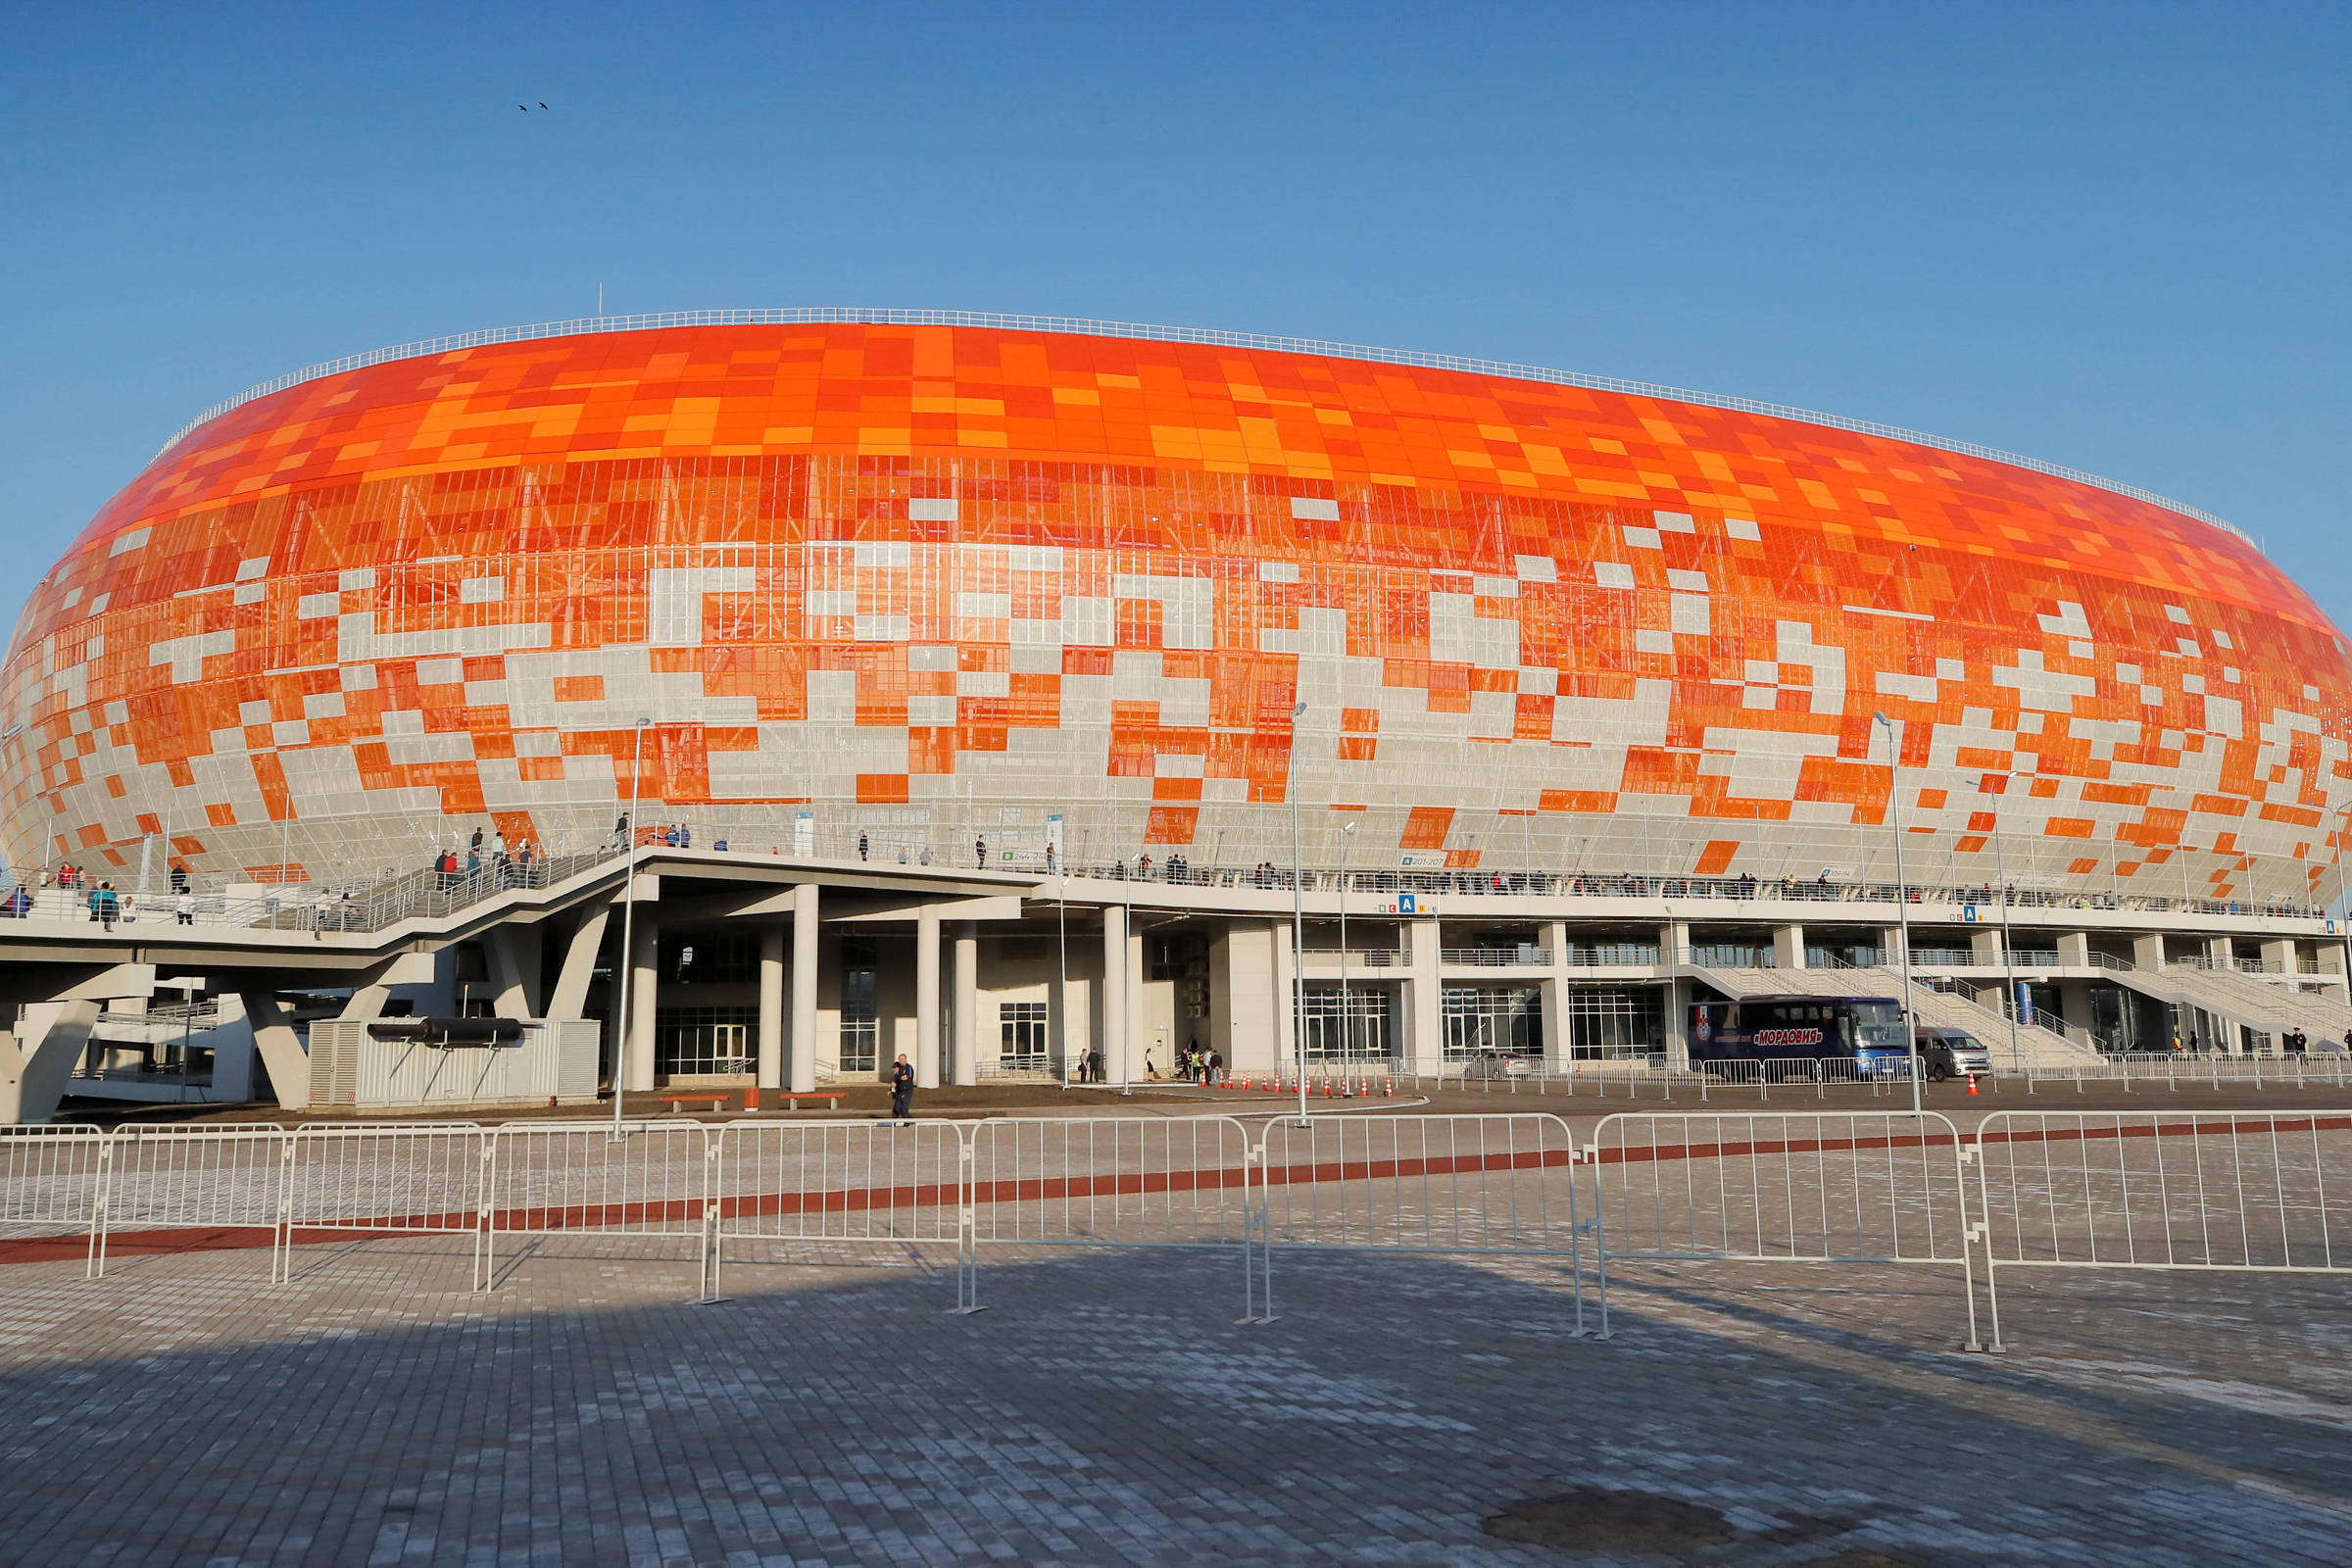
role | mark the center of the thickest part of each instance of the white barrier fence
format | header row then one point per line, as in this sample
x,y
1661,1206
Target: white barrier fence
x,y
1114,1180
376,1181
49,1180
2214,1191
1812,1187
1471,1185
2244,1192
830,1188
650,1178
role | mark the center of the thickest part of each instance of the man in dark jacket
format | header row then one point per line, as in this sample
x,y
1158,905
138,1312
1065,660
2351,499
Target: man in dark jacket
x,y
902,1091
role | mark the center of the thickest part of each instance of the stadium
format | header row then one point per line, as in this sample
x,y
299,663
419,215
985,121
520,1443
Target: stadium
x,y
1266,697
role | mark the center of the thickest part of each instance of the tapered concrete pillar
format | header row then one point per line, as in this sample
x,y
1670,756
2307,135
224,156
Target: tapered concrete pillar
x,y
569,999
802,1076
645,980
965,1065
771,1006
37,1057
280,1046
1789,946
926,997
1116,1000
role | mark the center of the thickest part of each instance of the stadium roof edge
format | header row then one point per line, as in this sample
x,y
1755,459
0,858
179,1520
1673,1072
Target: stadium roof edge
x,y
828,315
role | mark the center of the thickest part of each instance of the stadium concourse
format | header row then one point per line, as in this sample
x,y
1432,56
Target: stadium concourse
x,y
1012,693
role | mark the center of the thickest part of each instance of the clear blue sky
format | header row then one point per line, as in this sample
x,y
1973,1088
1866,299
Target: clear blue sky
x,y
2114,237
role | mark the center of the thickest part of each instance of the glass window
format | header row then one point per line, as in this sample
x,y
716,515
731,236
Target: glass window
x,y
1503,1019
1611,1025
1021,1033
1354,1031
701,1042
860,1034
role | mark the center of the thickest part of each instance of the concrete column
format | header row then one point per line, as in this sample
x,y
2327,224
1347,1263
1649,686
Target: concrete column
x,y
1131,986
2278,955
645,984
1073,1020
771,1006
569,999
1985,945
926,997
1557,1038
1674,941
37,1057
1789,946
1118,1001
802,1076
1426,1001
512,952
280,1046
2074,950
2221,951
1678,1024
965,1062
1241,986
2148,952
1890,948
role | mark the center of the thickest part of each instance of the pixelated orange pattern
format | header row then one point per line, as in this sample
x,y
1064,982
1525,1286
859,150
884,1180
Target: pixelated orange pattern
x,y
849,564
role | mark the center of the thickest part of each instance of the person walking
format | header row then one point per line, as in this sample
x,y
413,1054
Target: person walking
x,y
902,1091
980,854
1094,1061
862,844
184,908
106,904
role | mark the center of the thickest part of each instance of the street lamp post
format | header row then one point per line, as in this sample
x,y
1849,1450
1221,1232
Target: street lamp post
x,y
628,937
1298,924
1902,896
2008,953
1347,1018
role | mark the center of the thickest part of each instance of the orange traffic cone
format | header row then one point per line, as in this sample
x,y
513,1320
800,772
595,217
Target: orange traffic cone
x,y
1972,1083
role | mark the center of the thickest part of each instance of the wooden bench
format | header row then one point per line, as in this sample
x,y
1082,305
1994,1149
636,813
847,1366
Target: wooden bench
x,y
793,1099
717,1099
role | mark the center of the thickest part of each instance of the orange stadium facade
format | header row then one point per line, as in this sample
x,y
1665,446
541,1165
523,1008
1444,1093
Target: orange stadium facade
x,y
921,584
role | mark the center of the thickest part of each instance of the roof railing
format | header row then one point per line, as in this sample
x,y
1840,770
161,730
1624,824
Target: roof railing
x,y
817,316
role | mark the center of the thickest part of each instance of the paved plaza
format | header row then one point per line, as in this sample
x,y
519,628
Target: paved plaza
x,y
1107,1409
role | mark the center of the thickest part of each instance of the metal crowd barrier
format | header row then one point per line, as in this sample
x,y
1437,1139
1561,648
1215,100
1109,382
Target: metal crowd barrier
x,y
49,1180
2247,1192
834,1185
652,1180
169,1178
1114,1180
385,1180
1475,1185
1811,1187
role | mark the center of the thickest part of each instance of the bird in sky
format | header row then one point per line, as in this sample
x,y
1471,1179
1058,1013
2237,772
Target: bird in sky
x,y
526,108
543,106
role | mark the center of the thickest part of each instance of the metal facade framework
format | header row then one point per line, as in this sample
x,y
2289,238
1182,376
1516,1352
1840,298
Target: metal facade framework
x,y
999,589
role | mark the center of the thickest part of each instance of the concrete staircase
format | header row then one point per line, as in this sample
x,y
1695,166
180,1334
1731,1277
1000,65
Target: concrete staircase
x,y
2036,1047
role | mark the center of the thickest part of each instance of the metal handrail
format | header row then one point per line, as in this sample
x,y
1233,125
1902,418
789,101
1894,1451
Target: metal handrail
x,y
992,320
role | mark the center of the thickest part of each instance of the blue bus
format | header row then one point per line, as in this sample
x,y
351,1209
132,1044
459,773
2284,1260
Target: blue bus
x,y
1865,1031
